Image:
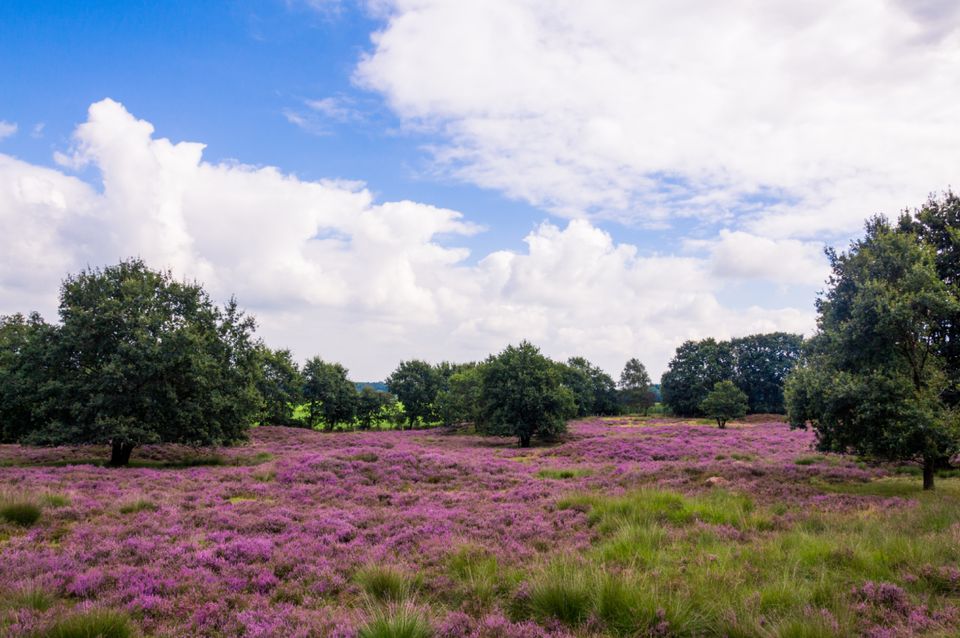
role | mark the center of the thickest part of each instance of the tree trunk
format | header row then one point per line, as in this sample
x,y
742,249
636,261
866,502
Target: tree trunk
x,y
721,424
120,453
524,440
928,473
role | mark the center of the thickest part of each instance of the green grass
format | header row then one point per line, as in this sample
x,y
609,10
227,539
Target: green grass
x,y
52,499
399,622
139,505
97,623
36,599
22,512
563,473
717,564
385,583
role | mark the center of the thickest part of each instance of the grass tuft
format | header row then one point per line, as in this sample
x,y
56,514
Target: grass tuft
x,y
563,473
398,622
96,623
139,505
20,512
385,583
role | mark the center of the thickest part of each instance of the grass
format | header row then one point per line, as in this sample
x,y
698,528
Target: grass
x,y
716,564
563,473
139,505
19,511
385,583
398,622
96,623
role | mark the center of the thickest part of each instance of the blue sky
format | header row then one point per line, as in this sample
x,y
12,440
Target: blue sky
x,y
605,179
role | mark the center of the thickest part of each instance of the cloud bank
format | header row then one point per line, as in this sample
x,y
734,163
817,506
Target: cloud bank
x,y
793,120
327,270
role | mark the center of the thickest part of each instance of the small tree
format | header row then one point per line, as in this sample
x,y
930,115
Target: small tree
x,y
372,406
695,368
331,397
726,401
522,395
460,401
416,384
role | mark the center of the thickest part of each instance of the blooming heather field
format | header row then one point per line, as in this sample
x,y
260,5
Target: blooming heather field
x,y
619,530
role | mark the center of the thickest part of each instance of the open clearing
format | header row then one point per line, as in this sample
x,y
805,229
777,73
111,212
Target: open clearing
x,y
619,530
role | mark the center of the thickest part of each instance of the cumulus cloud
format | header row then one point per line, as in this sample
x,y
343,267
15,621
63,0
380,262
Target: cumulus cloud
x,y
7,129
741,255
328,270
798,119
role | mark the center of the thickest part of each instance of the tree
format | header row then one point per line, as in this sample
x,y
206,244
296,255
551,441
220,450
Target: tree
x,y
26,367
636,392
331,397
876,375
761,365
280,385
460,401
416,384
138,358
372,405
594,391
522,395
726,401
694,370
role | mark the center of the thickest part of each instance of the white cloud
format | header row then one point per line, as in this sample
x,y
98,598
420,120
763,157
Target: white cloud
x,y
645,111
7,129
327,270
741,255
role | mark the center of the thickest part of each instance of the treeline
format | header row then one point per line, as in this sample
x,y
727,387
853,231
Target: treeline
x,y
757,365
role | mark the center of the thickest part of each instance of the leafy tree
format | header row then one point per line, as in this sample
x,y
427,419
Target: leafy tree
x,y
522,395
331,397
416,384
636,391
875,376
761,365
726,401
593,389
139,358
460,401
373,406
280,385
694,370
26,367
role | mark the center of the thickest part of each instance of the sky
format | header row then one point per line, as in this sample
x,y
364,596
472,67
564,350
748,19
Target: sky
x,y
383,180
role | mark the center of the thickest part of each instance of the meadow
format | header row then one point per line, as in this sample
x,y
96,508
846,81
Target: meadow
x,y
624,527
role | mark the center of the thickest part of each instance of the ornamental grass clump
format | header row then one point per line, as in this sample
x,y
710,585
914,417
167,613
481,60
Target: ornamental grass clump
x,y
96,623
396,622
385,583
18,510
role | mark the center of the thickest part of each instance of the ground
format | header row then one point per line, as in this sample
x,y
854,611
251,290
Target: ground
x,y
627,527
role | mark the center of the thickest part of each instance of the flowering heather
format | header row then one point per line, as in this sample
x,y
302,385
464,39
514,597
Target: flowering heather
x,y
302,533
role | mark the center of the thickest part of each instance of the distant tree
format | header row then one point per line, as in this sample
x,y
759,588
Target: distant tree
x,y
761,365
331,397
636,392
372,406
594,391
725,402
139,358
460,400
875,376
416,384
522,395
694,370
27,366
280,385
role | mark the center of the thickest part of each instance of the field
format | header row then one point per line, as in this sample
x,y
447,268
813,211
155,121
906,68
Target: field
x,y
627,527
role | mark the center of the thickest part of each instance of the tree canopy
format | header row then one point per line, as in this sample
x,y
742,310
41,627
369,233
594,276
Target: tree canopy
x,y
331,396
877,375
416,384
522,395
636,391
725,402
137,358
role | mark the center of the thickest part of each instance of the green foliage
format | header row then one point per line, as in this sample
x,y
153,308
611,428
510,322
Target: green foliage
x,y
761,365
874,381
416,384
636,391
280,384
563,473
138,358
522,395
95,623
726,401
331,397
139,505
460,400
26,365
398,622
694,370
594,391
374,406
20,512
